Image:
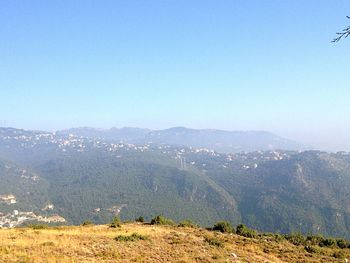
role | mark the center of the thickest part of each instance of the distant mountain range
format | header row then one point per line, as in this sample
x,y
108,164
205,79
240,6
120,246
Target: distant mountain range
x,y
126,134
218,140
61,176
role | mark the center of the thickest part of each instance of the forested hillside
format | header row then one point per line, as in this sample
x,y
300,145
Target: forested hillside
x,y
79,178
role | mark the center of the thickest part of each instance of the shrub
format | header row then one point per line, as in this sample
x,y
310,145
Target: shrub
x,y
39,226
115,222
278,237
339,254
245,231
342,243
133,237
48,243
187,223
140,219
296,239
223,226
272,236
214,242
314,240
328,242
311,249
87,223
161,220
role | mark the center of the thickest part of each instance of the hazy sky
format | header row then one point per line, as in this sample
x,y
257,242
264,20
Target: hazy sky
x,y
236,65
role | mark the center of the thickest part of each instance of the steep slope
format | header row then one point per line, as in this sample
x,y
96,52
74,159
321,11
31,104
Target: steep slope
x,y
93,179
21,189
95,186
306,192
24,197
89,178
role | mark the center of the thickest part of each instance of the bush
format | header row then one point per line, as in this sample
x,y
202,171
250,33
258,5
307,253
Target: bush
x,y
140,219
311,249
133,237
161,220
223,226
314,240
245,231
339,254
328,242
115,222
214,242
87,223
296,239
48,243
342,243
187,223
278,237
39,226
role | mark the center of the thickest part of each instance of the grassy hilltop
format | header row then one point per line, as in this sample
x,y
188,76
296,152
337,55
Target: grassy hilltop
x,y
139,242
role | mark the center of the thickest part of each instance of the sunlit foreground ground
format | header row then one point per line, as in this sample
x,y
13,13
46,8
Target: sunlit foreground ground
x,y
151,244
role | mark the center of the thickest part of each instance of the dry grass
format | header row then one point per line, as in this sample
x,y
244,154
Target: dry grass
x,y
163,244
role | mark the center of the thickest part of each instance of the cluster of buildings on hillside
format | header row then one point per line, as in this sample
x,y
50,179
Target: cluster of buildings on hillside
x,y
17,218
70,142
66,142
8,199
79,143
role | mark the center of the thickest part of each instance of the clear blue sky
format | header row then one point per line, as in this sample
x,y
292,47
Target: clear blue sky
x,y
236,65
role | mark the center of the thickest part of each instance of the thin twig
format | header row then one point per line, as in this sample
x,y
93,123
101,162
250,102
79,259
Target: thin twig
x,y
344,34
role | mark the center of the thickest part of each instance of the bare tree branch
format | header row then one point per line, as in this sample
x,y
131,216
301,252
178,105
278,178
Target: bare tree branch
x,y
344,34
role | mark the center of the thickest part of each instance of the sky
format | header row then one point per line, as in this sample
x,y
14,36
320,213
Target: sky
x,y
233,65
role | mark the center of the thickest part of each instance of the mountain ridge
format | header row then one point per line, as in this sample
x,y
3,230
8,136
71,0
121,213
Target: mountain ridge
x,y
218,140
92,178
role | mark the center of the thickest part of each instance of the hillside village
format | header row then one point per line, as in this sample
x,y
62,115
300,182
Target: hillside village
x,y
18,218
127,179
71,142
8,199
186,157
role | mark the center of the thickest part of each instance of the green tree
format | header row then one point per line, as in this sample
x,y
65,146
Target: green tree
x,y
140,219
161,220
115,222
243,230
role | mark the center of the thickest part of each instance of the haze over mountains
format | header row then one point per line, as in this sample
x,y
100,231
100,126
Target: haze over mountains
x,y
218,140
66,178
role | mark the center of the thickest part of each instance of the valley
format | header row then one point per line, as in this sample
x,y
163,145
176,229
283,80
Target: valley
x,y
85,178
